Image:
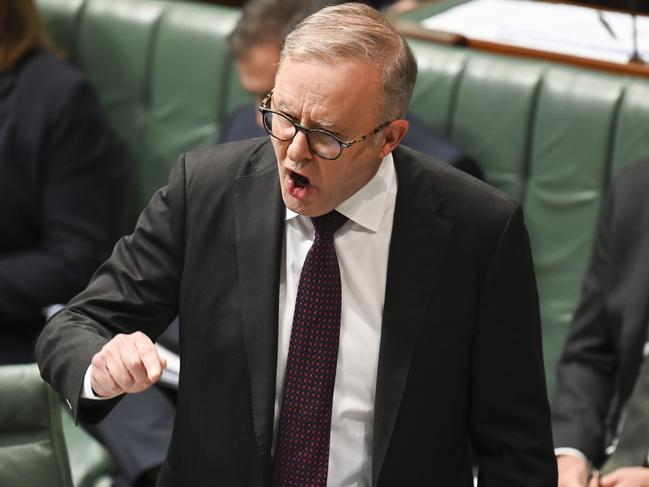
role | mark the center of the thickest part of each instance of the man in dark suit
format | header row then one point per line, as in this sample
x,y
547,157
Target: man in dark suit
x,y
608,338
256,42
424,297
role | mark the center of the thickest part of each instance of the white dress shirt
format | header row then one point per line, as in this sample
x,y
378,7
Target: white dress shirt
x,y
362,245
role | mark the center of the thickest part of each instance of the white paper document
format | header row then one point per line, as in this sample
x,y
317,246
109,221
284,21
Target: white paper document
x,y
171,372
554,27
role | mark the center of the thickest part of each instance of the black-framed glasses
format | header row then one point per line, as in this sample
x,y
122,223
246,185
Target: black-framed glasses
x,y
321,142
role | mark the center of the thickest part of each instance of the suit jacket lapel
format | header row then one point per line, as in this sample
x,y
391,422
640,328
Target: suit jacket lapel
x,y
419,240
259,217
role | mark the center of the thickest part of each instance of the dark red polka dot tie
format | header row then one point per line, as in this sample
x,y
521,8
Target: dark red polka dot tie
x,y
302,448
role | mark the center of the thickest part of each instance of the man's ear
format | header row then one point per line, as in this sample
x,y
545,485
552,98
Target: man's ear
x,y
393,133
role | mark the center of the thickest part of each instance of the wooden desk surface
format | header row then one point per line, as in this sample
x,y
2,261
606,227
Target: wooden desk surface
x,y
409,23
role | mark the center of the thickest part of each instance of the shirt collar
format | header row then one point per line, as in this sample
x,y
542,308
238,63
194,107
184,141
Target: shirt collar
x,y
367,206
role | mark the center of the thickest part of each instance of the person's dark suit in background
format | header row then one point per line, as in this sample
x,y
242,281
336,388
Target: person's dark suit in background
x,y
604,350
256,42
59,175
63,202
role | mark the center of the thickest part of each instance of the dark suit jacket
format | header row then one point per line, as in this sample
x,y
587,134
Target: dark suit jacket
x,y
603,352
241,125
59,180
460,350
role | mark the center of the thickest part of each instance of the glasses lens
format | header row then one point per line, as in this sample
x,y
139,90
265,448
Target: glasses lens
x,y
279,126
324,145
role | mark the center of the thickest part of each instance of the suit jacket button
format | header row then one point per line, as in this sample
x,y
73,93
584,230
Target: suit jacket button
x,y
67,401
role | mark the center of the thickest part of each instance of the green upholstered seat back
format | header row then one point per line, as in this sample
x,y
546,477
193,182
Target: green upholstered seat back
x,y
161,69
551,136
32,448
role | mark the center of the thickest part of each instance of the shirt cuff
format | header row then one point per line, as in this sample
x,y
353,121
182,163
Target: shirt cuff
x,y
573,452
87,392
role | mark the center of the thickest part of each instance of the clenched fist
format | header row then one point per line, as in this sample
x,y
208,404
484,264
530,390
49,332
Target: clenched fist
x,y
127,363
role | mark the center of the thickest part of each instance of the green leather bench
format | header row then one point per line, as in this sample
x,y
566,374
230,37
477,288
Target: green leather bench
x,y
162,71
550,135
39,444
32,447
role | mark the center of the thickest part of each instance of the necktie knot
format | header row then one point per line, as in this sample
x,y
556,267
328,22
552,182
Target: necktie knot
x,y
327,224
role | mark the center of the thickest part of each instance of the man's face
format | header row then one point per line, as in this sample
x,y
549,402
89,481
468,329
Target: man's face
x,y
343,99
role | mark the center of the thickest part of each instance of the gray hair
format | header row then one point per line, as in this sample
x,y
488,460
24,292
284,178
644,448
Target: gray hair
x,y
357,31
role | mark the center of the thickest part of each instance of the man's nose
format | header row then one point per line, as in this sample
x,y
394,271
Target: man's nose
x,y
298,148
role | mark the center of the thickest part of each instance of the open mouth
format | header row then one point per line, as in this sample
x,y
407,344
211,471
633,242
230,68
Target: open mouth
x,y
299,180
298,186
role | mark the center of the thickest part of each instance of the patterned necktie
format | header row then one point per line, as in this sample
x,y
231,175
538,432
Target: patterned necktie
x,y
632,443
302,450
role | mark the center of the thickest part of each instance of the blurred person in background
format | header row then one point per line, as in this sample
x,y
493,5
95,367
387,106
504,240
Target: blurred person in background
x,y
63,183
600,413
60,175
256,42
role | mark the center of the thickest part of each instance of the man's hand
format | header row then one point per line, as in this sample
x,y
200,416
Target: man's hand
x,y
127,363
573,471
627,477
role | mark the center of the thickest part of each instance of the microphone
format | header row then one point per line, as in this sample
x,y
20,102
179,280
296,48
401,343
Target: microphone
x,y
635,55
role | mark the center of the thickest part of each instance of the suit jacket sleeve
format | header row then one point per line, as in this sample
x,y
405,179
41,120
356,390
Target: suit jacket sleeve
x,y
136,289
510,418
585,375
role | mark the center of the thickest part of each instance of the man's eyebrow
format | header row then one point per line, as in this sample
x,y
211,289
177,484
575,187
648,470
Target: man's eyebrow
x,y
281,107
314,124
324,124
